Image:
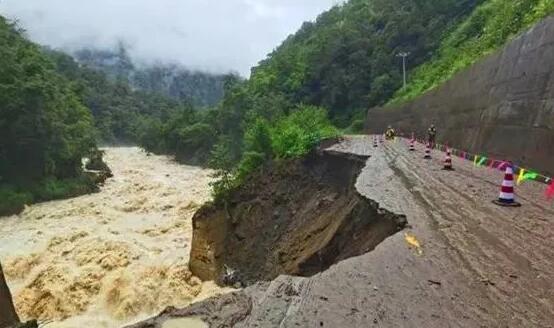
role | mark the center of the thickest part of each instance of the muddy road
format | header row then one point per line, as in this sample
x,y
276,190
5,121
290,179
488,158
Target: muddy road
x,y
460,262
480,264
106,259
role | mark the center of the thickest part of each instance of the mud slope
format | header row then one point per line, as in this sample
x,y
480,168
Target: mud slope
x,y
298,217
503,106
477,265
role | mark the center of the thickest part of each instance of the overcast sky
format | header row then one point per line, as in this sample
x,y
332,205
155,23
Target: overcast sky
x,y
214,35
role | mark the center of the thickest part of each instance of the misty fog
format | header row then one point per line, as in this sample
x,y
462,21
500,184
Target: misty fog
x,y
211,35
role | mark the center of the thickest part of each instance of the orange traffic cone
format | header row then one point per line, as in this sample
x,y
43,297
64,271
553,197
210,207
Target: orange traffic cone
x,y
412,143
506,197
448,161
427,151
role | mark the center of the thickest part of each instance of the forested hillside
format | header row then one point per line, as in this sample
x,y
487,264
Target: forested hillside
x,y
117,108
488,27
318,81
45,130
343,63
346,61
198,88
325,75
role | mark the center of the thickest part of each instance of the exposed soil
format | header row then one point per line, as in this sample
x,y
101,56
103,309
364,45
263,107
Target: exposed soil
x,y
461,262
296,217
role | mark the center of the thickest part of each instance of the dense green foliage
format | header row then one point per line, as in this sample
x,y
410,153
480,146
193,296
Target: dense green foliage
x,y
14,196
298,133
327,74
117,108
44,128
290,136
489,27
199,88
170,80
346,61
343,63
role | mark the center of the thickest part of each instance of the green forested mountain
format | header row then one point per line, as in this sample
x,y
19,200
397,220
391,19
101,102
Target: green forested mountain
x,y
198,88
343,63
346,61
45,130
340,64
115,64
322,78
117,108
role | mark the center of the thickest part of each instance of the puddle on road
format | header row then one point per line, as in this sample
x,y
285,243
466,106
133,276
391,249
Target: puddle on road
x,y
185,323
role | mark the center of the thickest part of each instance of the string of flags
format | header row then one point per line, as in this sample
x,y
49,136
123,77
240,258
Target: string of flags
x,y
523,174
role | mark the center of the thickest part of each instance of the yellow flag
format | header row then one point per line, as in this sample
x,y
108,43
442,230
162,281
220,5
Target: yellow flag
x,y
521,176
413,242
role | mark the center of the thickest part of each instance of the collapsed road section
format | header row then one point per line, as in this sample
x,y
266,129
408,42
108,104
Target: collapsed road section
x,y
461,262
297,217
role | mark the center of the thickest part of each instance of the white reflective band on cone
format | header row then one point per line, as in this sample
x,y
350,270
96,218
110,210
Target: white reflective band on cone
x,y
506,196
507,183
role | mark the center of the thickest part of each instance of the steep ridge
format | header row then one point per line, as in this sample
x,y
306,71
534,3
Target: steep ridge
x,y
503,106
298,217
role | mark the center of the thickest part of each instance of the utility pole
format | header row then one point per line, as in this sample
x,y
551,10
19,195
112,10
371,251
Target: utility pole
x,y
403,55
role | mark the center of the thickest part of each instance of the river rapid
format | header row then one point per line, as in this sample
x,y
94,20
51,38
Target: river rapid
x,y
110,258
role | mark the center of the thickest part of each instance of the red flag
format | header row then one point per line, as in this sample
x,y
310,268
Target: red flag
x,y
550,191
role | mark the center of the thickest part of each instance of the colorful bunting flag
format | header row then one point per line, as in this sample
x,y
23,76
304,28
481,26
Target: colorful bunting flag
x,y
530,176
525,176
482,161
521,175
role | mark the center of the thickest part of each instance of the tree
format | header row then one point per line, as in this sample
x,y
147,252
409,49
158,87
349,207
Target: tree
x,y
8,316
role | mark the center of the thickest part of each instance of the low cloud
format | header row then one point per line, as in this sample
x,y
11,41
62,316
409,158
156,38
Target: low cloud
x,y
212,35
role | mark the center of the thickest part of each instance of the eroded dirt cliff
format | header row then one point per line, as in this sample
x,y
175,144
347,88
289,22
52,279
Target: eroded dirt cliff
x,y
296,217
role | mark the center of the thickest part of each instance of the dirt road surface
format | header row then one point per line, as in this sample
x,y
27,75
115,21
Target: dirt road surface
x,y
462,261
480,264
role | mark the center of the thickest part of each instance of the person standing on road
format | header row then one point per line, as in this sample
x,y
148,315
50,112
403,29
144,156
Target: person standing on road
x,y
432,135
390,133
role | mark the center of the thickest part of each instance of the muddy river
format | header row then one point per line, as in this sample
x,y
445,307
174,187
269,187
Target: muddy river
x,y
110,258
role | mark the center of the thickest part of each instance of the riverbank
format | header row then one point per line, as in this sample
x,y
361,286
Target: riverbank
x,y
13,198
113,257
460,261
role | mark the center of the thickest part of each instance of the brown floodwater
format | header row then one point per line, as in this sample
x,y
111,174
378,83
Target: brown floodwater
x,y
110,258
